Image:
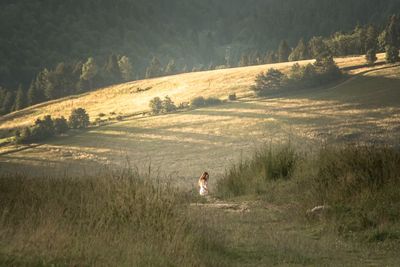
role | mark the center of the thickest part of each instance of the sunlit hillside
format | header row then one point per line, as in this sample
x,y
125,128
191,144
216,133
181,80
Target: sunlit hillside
x,y
363,108
124,99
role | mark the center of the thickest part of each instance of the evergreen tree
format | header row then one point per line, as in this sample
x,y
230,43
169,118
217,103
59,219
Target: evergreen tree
x,y
20,99
270,57
32,95
76,75
361,34
371,56
8,102
371,40
392,32
78,119
112,73
392,54
300,52
41,83
61,82
154,69
283,52
126,68
244,61
317,46
89,71
170,68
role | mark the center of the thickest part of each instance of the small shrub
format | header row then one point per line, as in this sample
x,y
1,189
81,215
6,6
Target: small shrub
x,y
271,81
101,115
156,105
43,128
168,105
78,119
25,137
60,125
119,118
232,97
198,102
202,102
113,113
212,101
183,105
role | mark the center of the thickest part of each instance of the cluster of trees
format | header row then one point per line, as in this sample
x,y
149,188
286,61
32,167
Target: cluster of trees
x,y
39,34
67,79
162,106
49,127
87,40
323,71
366,40
166,105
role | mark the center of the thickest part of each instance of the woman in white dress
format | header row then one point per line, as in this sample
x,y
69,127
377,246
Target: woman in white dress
x,y
203,184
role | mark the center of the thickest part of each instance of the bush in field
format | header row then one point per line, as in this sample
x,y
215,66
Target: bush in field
x,y
202,102
271,81
232,97
324,70
24,137
156,105
60,125
78,119
43,128
212,101
198,102
167,105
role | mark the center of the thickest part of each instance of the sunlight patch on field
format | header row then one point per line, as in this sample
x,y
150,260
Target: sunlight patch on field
x,y
123,99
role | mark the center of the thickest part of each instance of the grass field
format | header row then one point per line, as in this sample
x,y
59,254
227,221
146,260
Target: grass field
x,y
266,230
364,107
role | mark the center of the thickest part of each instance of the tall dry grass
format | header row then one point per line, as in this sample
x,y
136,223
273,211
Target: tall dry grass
x,y
358,185
110,220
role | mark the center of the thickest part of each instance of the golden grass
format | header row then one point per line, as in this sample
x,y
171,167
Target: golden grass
x,y
185,144
123,98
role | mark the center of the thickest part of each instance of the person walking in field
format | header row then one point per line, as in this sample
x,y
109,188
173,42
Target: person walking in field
x,y
203,184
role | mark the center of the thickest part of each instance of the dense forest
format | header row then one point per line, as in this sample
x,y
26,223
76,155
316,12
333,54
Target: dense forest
x,y
74,45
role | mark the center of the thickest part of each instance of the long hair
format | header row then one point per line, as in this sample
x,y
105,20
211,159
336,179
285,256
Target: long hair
x,y
203,177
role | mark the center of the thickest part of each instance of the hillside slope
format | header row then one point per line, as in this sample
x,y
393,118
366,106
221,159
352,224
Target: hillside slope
x,y
185,144
124,98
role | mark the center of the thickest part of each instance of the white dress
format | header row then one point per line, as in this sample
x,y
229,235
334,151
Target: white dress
x,y
203,188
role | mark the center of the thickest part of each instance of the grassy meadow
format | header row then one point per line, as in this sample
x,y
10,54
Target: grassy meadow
x,y
123,194
361,108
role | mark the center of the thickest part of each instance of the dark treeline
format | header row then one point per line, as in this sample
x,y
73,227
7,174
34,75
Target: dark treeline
x,y
52,48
